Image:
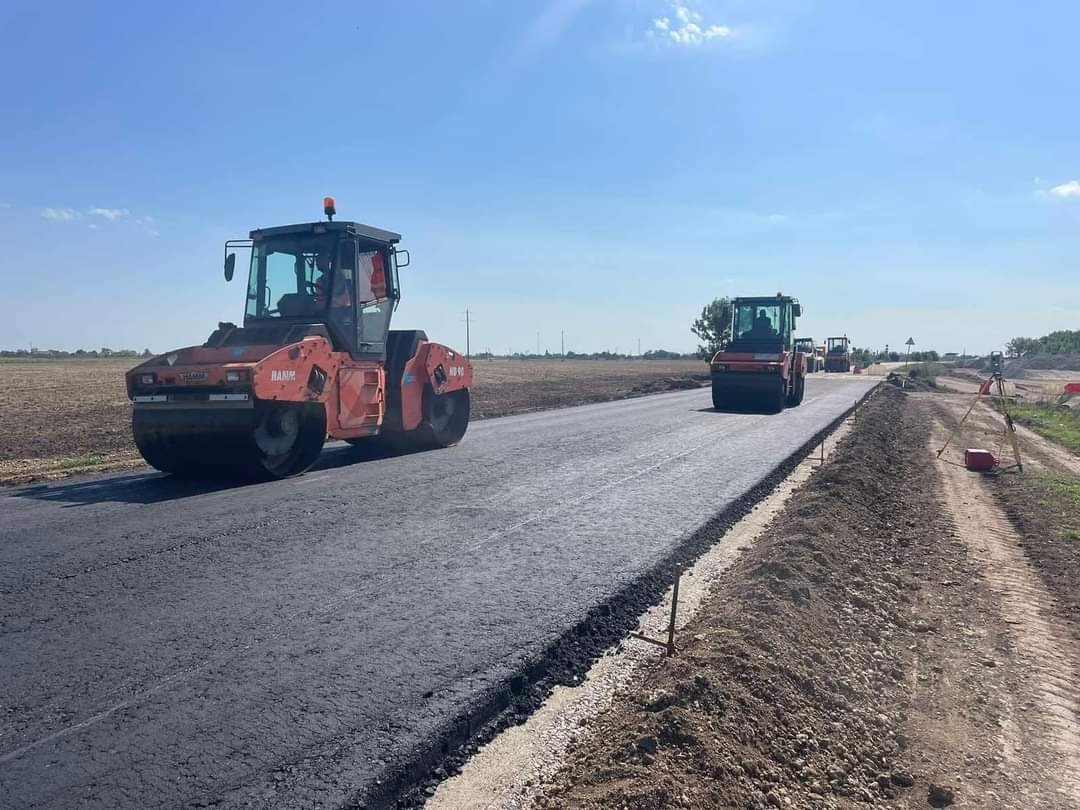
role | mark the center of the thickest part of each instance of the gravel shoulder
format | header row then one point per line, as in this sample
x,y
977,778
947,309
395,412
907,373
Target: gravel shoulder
x,y
896,637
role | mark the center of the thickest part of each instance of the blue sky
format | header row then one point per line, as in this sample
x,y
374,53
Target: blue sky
x,y
603,168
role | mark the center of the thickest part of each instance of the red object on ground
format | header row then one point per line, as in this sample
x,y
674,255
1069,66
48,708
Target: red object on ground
x,y
857,371
1072,388
979,460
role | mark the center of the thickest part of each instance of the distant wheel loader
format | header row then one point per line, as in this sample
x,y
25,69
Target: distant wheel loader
x,y
759,368
315,358
838,355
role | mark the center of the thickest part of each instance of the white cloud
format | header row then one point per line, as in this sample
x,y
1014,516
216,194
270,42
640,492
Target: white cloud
x,y
92,226
111,214
1070,189
689,27
60,214
776,219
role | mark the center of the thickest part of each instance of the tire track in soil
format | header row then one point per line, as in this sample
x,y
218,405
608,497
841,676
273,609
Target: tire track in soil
x,y
1041,734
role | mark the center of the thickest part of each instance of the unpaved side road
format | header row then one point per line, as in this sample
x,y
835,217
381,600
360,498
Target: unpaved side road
x,y
894,637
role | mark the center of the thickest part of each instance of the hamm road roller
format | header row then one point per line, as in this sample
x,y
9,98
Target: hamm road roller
x,y
315,358
838,355
759,368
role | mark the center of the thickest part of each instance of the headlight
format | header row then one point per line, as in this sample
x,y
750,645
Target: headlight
x,y
236,376
146,379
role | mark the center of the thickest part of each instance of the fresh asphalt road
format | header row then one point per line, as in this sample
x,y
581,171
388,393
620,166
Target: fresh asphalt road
x,y
164,644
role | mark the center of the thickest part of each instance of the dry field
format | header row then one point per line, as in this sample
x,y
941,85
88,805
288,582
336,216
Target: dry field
x,y
59,417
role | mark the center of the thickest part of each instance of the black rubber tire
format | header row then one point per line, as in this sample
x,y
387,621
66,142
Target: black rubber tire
x,y
720,398
779,398
446,417
796,396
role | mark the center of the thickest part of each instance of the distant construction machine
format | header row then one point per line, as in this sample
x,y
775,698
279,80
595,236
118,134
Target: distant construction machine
x,y
314,358
838,354
807,347
759,368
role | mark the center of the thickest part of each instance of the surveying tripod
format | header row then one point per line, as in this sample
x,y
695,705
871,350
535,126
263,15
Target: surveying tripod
x,y
993,381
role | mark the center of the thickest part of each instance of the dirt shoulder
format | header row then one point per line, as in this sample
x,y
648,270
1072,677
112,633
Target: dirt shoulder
x,y
61,417
860,652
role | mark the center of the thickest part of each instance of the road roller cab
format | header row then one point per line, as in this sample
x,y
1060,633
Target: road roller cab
x,y
759,367
315,357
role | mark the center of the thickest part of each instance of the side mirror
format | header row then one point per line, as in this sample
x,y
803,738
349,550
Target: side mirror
x,y
230,266
402,257
798,310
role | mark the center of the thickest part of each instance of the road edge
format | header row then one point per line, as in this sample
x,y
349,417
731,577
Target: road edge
x,y
568,657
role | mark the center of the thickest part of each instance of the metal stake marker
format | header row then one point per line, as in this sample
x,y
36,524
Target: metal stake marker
x,y
668,645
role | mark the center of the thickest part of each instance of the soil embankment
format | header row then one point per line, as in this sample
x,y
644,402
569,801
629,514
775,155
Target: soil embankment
x,y
874,647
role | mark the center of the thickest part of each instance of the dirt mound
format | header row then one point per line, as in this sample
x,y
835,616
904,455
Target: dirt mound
x,y
1031,366
787,690
912,381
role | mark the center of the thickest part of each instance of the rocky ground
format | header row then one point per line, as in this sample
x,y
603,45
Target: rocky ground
x,y
900,636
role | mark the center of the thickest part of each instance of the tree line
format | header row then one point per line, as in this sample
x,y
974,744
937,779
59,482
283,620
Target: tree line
x,y
78,354
1063,341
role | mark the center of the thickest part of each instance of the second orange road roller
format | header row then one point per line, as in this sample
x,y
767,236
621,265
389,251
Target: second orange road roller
x,y
759,368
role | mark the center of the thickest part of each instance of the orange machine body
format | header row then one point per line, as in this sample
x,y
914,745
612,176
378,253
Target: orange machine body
x,y
353,392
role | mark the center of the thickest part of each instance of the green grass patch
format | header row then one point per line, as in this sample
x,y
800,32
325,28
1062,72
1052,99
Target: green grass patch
x,y
75,462
1057,423
1067,488
1063,500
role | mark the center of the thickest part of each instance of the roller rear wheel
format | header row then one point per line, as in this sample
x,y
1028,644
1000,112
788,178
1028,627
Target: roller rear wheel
x,y
776,401
720,398
797,394
446,418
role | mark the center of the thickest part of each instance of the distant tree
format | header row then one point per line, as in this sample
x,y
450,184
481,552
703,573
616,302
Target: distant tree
x,y
713,328
662,354
1021,346
1061,342
147,353
862,357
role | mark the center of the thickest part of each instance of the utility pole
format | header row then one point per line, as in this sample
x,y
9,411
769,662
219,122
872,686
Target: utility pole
x,y
468,349
639,347
562,343
537,344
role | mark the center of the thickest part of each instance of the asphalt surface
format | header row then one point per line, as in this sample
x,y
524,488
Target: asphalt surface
x,y
290,644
